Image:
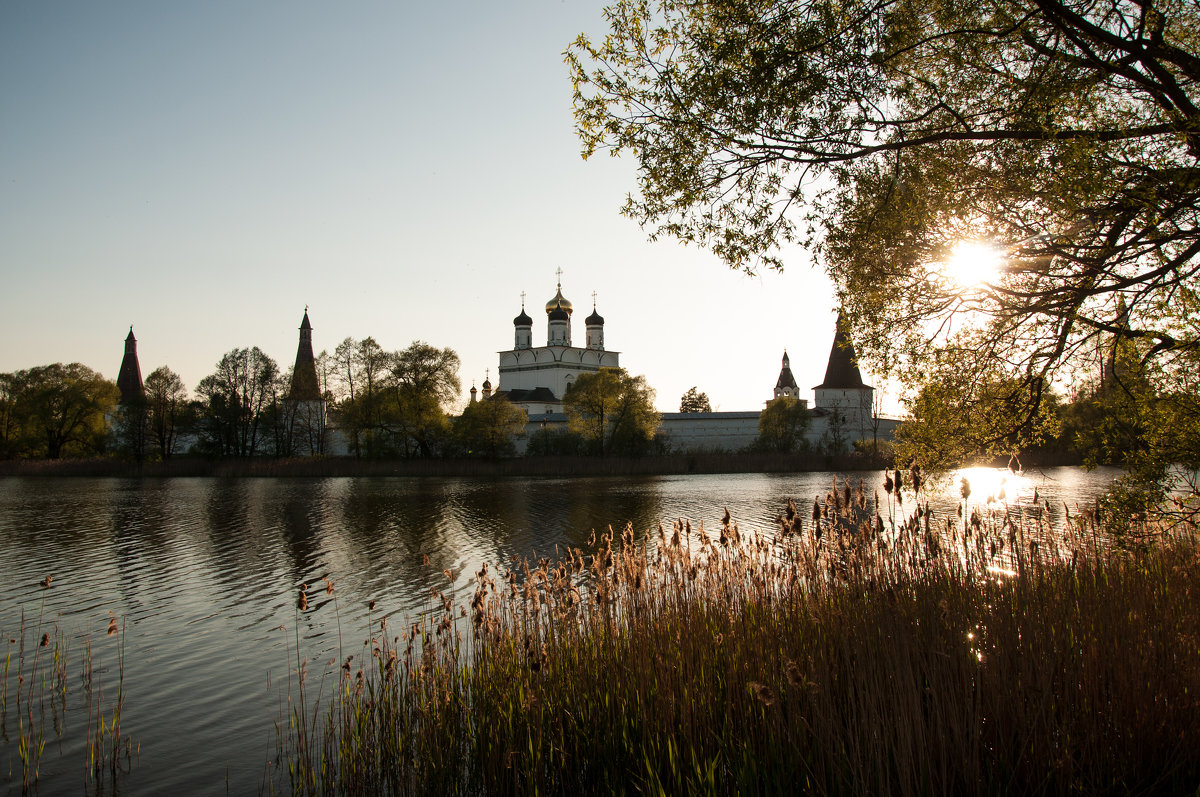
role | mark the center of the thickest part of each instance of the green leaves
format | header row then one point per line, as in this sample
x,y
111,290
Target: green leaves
x,y
878,135
612,411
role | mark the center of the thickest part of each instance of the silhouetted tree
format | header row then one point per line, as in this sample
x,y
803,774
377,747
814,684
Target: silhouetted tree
x,y
691,401
235,399
169,410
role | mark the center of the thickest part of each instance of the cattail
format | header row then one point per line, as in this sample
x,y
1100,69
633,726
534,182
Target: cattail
x,y
45,640
726,518
887,482
46,582
302,602
914,472
965,488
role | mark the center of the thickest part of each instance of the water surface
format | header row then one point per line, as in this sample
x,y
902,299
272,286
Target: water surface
x,y
203,574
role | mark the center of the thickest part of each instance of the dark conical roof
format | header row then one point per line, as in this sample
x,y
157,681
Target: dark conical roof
x,y
129,378
842,370
785,375
305,386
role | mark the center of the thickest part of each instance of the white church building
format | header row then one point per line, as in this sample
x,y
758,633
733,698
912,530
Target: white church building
x,y
535,378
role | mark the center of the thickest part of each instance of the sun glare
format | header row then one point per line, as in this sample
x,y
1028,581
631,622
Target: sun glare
x,y
973,263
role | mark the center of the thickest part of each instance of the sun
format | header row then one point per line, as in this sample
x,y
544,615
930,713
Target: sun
x,y
973,263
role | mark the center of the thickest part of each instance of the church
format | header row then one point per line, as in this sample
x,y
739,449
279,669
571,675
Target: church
x,y
535,378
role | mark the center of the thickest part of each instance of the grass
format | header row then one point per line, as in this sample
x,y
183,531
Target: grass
x,y
38,703
855,649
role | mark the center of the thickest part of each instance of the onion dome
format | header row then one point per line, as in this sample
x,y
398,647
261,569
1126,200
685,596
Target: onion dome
x,y
595,319
559,302
523,320
487,384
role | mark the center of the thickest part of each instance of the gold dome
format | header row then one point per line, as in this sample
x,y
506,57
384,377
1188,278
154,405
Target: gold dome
x,y
559,302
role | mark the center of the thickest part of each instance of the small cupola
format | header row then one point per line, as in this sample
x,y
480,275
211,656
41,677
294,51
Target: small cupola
x,y
595,328
523,328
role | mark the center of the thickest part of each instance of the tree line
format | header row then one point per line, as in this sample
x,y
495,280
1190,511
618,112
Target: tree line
x,y
382,404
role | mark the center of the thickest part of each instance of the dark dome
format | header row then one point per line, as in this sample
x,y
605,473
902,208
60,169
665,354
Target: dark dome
x,y
560,314
594,320
523,320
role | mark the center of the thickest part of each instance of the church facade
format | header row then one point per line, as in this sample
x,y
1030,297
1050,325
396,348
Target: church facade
x,y
535,378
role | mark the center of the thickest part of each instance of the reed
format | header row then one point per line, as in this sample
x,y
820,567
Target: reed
x,y
859,648
38,705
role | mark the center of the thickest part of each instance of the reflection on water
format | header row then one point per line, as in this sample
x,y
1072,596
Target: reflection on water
x,y
205,574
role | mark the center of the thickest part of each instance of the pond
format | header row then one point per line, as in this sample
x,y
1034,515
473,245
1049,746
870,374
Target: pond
x,y
199,579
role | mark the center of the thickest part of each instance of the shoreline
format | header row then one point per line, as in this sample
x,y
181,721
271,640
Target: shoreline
x,y
322,467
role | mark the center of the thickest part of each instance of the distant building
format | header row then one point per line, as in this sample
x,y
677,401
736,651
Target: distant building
x,y
305,406
843,398
129,378
535,378
785,385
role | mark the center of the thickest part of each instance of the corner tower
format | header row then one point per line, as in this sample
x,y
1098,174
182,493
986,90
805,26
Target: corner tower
x,y
305,386
843,392
129,378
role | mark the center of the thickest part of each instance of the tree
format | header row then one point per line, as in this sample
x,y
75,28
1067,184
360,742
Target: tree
x,y
691,401
956,418
235,399
782,425
1063,134
131,427
169,412
612,411
424,382
55,411
488,427
361,368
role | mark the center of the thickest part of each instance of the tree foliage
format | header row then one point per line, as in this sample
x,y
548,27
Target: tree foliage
x,y
692,401
235,400
170,413
488,427
55,411
612,411
1062,133
393,403
782,426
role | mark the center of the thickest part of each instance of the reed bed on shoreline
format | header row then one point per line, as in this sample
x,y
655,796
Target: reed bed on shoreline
x,y
45,695
855,649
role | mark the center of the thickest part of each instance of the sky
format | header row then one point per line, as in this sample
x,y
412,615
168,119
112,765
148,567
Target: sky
x,y
205,171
